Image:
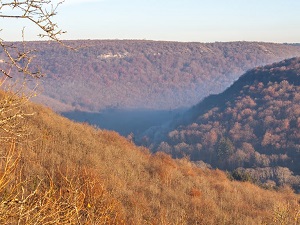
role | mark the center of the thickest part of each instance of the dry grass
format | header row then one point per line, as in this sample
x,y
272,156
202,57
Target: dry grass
x,y
68,198
71,173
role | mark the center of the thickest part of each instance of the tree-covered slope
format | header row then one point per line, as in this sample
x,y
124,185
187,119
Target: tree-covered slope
x,y
145,74
254,124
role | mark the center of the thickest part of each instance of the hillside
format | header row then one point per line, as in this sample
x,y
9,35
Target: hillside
x,y
75,174
134,74
253,126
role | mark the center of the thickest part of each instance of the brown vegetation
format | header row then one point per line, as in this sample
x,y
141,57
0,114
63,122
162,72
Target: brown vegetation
x,y
144,74
71,173
254,124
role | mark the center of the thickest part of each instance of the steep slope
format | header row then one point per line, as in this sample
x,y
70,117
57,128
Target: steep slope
x,y
145,188
253,124
145,74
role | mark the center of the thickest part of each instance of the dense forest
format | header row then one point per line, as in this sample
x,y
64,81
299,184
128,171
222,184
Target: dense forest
x,y
251,129
55,171
144,74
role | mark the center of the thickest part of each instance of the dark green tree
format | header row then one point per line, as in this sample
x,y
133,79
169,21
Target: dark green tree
x,y
224,148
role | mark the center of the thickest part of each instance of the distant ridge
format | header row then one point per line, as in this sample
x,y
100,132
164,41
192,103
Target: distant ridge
x,y
131,74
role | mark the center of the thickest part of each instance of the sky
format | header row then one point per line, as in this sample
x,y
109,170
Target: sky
x,y
171,20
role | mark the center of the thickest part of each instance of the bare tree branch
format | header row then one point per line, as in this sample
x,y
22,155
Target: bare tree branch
x,y
40,13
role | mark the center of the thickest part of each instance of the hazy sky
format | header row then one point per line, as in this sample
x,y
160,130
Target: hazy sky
x,y
173,20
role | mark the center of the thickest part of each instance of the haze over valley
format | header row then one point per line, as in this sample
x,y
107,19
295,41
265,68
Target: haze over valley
x,y
146,81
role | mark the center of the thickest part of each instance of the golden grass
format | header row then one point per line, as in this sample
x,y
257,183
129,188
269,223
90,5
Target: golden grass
x,y
72,173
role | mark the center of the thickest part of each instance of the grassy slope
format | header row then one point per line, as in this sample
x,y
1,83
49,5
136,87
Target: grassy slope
x,y
150,189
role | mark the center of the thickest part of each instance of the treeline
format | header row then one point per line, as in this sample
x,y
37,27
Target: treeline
x,y
253,125
145,74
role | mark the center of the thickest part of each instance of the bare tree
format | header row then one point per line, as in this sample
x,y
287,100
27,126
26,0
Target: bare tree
x,y
40,13
17,61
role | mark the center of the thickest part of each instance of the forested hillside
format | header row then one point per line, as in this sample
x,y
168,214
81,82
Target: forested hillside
x,y
144,74
54,171
252,128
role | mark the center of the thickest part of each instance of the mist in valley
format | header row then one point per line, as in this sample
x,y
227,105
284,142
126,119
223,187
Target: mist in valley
x,y
126,121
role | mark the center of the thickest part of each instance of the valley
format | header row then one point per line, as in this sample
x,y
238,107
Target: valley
x,y
171,156
125,122
252,128
125,79
144,89
149,112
